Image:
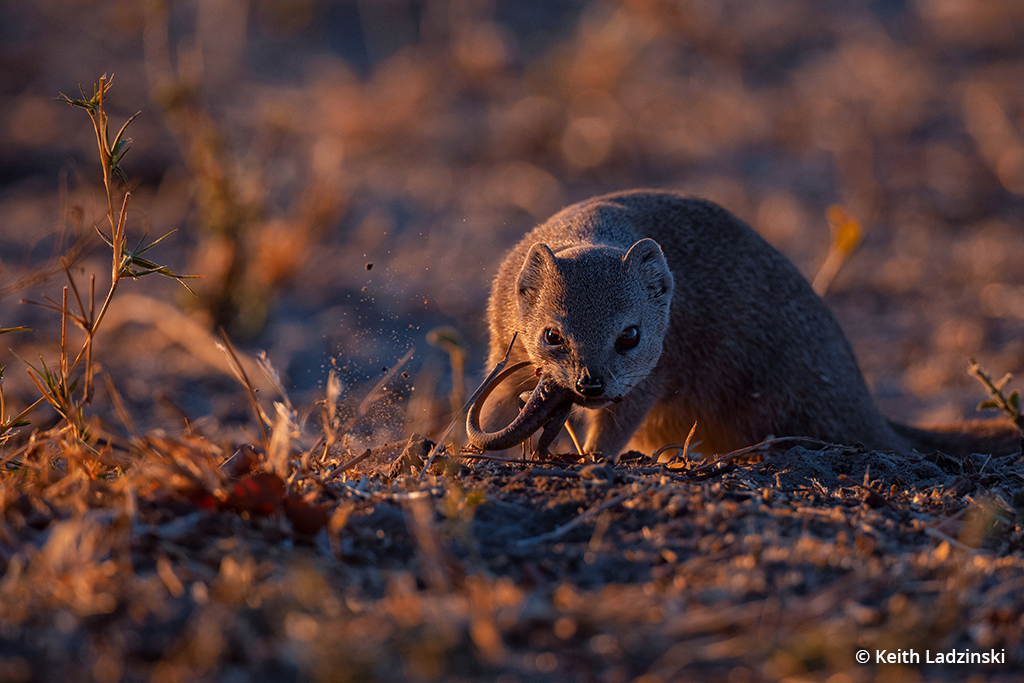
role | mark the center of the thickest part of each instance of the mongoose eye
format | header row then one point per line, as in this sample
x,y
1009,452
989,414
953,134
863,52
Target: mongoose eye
x,y
629,338
552,337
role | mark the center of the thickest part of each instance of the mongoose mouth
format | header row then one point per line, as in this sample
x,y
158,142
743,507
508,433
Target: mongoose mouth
x,y
547,406
599,402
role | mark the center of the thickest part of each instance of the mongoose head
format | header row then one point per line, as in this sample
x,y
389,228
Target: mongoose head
x,y
593,318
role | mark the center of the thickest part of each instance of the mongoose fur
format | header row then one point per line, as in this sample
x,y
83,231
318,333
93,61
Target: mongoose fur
x,y
660,311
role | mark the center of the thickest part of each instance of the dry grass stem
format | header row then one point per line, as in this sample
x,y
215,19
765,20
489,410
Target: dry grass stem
x,y
1008,404
683,448
575,440
847,234
243,377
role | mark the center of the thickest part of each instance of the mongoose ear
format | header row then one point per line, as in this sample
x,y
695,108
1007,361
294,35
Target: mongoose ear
x,y
539,262
646,259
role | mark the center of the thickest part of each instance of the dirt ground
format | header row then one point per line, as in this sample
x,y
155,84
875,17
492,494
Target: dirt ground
x,y
776,567
345,176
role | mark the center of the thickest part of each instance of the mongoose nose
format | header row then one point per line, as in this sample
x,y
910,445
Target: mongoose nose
x,y
590,386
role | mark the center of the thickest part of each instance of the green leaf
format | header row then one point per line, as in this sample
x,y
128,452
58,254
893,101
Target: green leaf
x,y
46,374
987,404
5,330
89,103
1014,402
119,139
109,241
118,170
155,242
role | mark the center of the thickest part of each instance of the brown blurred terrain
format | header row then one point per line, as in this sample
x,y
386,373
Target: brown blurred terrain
x,y
290,146
345,176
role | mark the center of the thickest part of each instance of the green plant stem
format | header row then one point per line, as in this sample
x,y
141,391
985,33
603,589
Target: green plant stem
x,y
998,397
115,279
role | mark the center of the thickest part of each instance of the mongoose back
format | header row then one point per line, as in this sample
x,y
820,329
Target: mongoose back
x,y
659,311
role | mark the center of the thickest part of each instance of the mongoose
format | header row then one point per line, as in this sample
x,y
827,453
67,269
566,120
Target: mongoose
x,y
653,311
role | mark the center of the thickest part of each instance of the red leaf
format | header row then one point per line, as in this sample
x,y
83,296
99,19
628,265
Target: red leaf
x,y
259,494
202,498
306,518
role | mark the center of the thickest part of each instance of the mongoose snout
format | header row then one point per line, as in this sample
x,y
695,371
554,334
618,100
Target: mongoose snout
x,y
590,386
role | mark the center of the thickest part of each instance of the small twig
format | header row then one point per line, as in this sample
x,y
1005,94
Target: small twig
x,y
90,333
846,235
1010,405
74,288
685,448
347,465
43,390
64,341
14,421
769,442
703,476
935,533
560,531
575,441
509,461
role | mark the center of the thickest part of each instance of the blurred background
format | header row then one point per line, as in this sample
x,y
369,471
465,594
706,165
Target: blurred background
x,y
346,175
